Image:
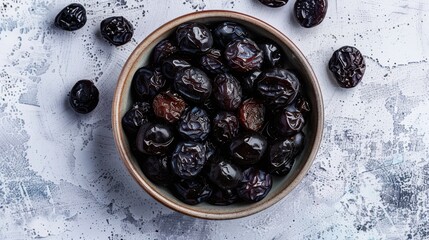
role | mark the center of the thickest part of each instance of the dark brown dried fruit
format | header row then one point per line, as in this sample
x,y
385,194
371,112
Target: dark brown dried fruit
x,y
194,124
221,197
172,65
192,191
227,91
212,62
282,153
168,106
154,139
225,127
162,50
188,159
244,55
274,3
147,83
83,97
254,185
194,37
273,55
227,32
287,122
193,84
138,115
348,66
71,18
224,174
116,30
310,13
252,113
157,169
248,148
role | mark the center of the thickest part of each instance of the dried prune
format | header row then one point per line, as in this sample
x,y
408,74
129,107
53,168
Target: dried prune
x,y
193,84
162,50
310,13
154,138
225,127
252,113
248,82
212,62
192,191
223,197
287,122
273,55
274,3
188,159
138,115
194,124
282,153
227,32
172,65
244,55
168,106
278,87
194,37
157,169
83,97
117,30
348,66
255,185
71,18
227,91
224,174
147,83
248,148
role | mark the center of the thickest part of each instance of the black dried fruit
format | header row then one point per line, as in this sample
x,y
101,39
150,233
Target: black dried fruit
x,y
248,148
273,55
225,127
278,87
192,191
244,55
211,62
248,83
71,18
227,91
310,13
172,65
227,32
157,169
194,37
154,139
147,83
223,197
282,153
287,122
188,159
224,174
254,185
252,114
194,124
168,106
274,3
162,50
193,84
83,97
116,30
348,66
138,115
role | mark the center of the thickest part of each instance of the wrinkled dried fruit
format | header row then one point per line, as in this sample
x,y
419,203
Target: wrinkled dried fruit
x,y
162,50
147,83
310,13
225,127
273,55
192,191
168,106
254,185
282,153
244,55
154,139
188,159
138,115
287,122
274,3
224,174
157,169
193,84
71,18
223,197
248,149
172,65
194,37
227,32
116,30
248,83
211,62
227,91
252,113
83,97
348,66
194,124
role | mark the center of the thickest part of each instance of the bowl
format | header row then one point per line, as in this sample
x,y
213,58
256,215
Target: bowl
x,y
282,186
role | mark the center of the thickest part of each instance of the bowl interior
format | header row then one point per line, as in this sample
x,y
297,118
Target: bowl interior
x,y
282,185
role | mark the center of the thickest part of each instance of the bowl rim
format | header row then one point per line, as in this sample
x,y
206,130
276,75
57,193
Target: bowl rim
x,y
116,118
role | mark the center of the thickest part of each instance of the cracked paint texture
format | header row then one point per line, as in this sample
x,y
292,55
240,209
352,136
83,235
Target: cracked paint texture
x,y
61,176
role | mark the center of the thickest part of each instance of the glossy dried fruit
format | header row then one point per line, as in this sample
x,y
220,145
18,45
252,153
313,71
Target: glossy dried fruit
x,y
310,13
223,197
172,65
224,174
192,191
282,153
244,55
211,62
162,50
287,122
117,30
188,159
194,37
227,91
138,115
193,84
348,66
147,83
248,83
274,3
227,32
83,97
225,127
154,139
157,169
278,87
254,185
194,124
273,55
252,114
71,18
248,148
168,106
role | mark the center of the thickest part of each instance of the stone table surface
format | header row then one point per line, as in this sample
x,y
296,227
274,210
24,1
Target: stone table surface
x,y
61,176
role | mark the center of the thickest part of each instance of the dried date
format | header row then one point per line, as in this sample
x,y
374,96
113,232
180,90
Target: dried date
x,y
348,66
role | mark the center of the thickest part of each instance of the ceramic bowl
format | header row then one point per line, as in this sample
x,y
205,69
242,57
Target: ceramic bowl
x,y
281,186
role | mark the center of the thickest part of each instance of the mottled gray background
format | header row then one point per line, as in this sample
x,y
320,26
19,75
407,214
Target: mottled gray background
x,y
61,176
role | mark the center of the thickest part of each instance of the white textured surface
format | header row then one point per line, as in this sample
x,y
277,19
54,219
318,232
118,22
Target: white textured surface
x,y
61,177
